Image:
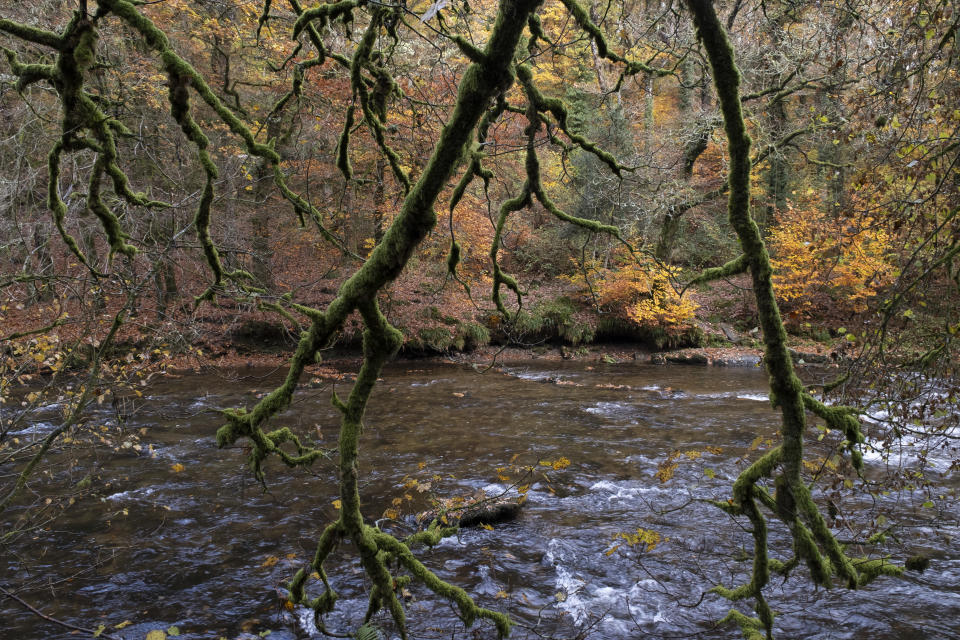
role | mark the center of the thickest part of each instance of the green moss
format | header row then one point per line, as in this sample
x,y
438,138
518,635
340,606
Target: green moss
x,y
558,316
474,335
752,628
732,268
436,338
813,541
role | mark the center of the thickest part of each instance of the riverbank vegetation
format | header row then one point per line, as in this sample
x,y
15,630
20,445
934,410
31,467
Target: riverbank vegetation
x,y
192,180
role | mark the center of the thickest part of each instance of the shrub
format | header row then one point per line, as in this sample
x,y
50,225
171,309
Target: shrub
x,y
822,262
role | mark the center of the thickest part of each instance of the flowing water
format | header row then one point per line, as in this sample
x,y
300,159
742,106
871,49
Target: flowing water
x,y
207,550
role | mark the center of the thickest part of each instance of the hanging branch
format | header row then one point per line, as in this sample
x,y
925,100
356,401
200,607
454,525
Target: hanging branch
x,y
480,84
83,126
813,542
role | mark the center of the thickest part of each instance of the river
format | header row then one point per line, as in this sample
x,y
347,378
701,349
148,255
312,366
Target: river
x,y
204,548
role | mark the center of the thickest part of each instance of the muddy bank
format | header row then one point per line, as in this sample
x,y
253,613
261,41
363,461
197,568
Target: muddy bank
x,y
347,358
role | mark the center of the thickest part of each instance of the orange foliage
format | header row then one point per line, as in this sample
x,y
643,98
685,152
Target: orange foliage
x,y
820,261
639,291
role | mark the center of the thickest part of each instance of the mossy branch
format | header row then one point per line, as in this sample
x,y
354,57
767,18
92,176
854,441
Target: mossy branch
x,y
263,17
323,15
751,628
80,115
32,34
500,278
28,74
181,76
533,185
559,110
373,103
632,67
480,84
467,48
794,504
469,611
343,145
842,419
59,208
735,267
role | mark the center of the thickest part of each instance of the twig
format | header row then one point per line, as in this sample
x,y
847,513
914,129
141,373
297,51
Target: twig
x,y
40,614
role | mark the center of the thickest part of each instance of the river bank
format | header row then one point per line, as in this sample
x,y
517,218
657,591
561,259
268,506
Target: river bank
x,y
348,357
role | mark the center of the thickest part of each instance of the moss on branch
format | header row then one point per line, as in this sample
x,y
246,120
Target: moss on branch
x,y
812,540
480,84
735,267
631,67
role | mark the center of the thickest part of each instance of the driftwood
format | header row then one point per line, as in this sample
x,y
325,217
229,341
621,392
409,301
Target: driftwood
x,y
473,512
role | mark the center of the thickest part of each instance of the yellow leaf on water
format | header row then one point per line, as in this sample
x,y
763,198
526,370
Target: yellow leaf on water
x,y
336,503
156,634
270,561
125,623
177,467
502,594
487,527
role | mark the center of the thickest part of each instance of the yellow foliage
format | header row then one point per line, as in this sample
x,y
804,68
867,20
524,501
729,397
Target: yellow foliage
x,y
639,291
819,260
665,471
643,539
270,561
